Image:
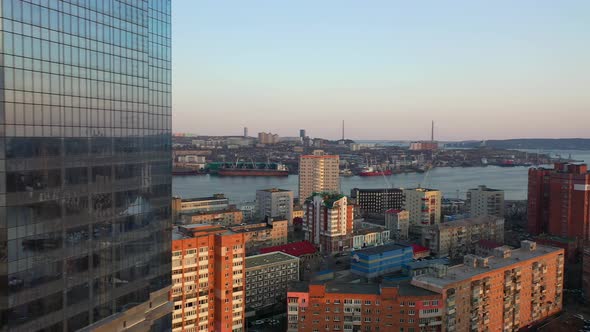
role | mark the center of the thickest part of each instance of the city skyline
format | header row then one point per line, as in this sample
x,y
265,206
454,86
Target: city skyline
x,y
480,71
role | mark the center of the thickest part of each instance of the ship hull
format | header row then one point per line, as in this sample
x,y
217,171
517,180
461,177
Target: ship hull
x,y
251,172
376,173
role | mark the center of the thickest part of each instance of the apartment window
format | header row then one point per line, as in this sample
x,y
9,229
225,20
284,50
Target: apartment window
x,y
367,302
412,304
411,312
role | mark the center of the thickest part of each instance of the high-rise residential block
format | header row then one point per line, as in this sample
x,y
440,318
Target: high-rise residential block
x,y
328,222
275,203
339,306
318,173
586,271
559,201
398,223
424,206
267,278
85,165
504,292
208,279
268,138
377,201
483,201
460,237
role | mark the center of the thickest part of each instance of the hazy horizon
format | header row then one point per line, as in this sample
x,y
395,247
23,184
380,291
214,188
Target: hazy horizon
x,y
481,70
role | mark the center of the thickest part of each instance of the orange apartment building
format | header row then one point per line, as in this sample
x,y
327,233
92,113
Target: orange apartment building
x,y
347,307
208,279
504,292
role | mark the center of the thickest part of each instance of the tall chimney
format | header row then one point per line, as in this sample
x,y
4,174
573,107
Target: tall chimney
x,y
432,132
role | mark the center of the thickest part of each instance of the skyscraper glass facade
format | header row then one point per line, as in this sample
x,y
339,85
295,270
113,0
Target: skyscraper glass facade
x,y
85,124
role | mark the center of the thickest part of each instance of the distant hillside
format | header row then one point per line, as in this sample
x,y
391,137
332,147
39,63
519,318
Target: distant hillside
x,y
530,143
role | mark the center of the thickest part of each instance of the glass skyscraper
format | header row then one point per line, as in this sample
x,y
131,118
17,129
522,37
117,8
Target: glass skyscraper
x,y
85,164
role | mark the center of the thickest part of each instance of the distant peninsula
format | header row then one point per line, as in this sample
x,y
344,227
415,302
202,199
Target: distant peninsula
x,y
528,143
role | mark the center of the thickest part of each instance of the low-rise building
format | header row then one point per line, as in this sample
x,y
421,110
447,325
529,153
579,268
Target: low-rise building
x,y
304,250
398,223
369,236
267,278
458,238
338,306
504,292
263,234
216,202
380,260
228,217
419,251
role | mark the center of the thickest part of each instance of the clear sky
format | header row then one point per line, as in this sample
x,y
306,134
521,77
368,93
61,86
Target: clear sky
x,y
480,69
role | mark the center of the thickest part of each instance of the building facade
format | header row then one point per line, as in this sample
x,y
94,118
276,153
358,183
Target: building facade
x,y
380,260
505,292
228,217
85,164
424,206
424,146
586,271
208,279
216,202
318,173
398,223
275,203
336,306
369,235
460,237
263,234
559,201
328,222
483,201
377,201
267,277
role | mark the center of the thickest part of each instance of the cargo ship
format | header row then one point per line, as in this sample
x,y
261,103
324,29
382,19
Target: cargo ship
x,y
370,171
278,170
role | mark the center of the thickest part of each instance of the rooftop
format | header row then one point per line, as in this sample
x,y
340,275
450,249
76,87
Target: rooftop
x,y
369,230
296,249
381,249
377,190
426,263
266,259
209,198
462,272
424,190
405,288
202,213
488,244
275,190
329,198
485,188
468,222
418,248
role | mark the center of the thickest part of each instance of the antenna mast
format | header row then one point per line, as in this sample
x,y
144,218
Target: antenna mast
x,y
432,132
343,130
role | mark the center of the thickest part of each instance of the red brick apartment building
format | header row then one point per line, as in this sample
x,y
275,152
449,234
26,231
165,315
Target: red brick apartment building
x,y
559,201
363,307
208,279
